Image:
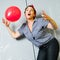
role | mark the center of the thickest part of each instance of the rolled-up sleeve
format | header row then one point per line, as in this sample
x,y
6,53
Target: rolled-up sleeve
x,y
45,23
20,30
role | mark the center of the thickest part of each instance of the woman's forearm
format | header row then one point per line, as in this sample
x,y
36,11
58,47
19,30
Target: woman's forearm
x,y
13,33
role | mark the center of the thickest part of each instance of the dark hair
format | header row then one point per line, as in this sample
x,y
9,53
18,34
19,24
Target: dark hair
x,y
33,9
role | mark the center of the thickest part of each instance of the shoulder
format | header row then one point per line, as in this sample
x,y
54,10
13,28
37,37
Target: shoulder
x,y
23,25
39,20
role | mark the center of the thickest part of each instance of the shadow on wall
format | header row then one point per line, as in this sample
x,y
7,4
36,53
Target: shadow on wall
x,y
58,37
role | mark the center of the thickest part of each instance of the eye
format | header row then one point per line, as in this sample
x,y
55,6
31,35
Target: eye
x,y
27,10
32,10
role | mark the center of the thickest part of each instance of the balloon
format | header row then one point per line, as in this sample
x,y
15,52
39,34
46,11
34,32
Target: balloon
x,y
13,13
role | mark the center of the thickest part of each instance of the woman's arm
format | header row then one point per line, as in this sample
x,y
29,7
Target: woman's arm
x,y
52,23
12,33
50,26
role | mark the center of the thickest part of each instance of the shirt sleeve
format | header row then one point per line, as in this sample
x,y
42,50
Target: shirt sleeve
x,y
45,23
20,30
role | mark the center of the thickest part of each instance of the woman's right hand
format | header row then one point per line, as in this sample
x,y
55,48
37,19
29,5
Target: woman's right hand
x,y
6,22
13,33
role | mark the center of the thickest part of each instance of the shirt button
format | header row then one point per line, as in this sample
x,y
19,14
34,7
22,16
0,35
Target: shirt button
x,y
34,38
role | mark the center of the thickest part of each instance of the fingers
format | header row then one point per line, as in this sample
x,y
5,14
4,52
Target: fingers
x,y
44,15
3,20
43,12
6,22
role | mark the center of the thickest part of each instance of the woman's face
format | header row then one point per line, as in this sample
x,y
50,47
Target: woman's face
x,y
29,13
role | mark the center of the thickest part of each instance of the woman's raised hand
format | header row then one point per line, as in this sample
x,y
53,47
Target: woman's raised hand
x,y
44,15
6,22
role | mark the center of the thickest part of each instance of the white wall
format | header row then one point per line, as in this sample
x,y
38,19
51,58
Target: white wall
x,y
11,49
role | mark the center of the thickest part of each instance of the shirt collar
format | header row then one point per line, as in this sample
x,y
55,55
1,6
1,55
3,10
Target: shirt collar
x,y
34,20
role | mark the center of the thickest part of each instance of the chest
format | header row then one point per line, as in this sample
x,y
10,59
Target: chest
x,y
33,29
30,26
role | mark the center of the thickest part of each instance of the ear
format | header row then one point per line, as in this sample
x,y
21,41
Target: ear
x,y
25,14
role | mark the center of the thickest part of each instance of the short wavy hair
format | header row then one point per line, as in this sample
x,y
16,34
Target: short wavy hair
x,y
33,9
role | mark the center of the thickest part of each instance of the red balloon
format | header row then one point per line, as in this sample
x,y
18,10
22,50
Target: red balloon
x,y
12,13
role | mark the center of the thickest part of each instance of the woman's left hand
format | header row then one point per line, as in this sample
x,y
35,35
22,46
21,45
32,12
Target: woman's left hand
x,y
44,15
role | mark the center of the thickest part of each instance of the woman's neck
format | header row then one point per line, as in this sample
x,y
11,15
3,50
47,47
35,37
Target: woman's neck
x,y
30,23
30,20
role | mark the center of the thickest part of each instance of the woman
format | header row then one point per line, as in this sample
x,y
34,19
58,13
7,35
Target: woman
x,y
35,31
